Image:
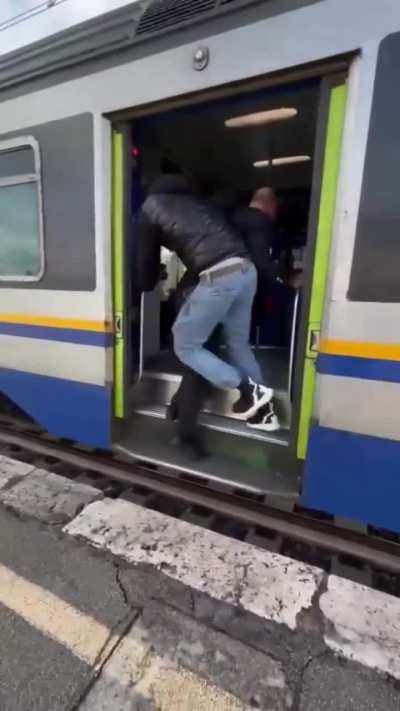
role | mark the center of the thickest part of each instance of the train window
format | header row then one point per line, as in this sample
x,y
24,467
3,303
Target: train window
x,y
21,219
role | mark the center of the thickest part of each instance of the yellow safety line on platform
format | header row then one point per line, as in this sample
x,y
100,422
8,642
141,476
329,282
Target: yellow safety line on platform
x,y
53,617
129,664
54,322
379,351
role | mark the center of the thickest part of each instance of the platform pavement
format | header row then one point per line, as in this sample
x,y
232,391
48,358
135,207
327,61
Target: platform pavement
x,y
105,605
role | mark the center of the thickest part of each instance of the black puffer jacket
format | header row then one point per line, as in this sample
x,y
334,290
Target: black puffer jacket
x,y
195,230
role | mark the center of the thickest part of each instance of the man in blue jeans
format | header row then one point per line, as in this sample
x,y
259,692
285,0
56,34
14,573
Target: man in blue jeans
x,y
225,296
226,281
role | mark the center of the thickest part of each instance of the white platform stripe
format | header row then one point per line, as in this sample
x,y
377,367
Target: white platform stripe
x,y
11,470
206,561
362,624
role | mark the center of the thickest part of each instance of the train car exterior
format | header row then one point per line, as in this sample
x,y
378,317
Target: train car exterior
x,y
61,100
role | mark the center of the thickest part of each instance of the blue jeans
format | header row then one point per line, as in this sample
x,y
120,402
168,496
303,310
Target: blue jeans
x,y
228,301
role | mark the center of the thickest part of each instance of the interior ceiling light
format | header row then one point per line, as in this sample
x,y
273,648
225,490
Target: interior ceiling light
x,y
261,118
281,161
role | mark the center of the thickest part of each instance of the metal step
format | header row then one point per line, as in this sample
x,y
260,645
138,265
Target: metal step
x,y
157,388
226,425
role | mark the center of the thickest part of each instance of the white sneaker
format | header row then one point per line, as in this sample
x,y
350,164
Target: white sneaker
x,y
265,419
253,397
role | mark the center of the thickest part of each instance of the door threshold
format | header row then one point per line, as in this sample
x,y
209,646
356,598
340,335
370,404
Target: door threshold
x,y
237,462
202,470
163,375
225,425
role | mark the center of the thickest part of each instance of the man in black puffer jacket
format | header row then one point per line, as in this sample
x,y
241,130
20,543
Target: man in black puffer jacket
x,y
217,258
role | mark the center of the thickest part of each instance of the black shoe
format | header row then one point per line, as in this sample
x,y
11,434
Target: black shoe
x,y
252,398
265,419
192,447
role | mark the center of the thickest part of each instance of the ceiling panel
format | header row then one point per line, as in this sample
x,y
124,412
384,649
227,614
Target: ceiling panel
x,y
198,141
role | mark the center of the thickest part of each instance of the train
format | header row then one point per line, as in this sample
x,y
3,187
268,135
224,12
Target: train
x,y
90,114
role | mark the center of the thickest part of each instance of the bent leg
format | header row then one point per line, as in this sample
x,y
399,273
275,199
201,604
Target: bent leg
x,y
205,308
237,326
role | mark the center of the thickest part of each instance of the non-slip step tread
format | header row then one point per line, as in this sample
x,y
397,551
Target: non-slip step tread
x,y
226,425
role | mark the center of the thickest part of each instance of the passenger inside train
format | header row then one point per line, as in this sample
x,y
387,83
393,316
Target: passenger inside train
x,y
230,150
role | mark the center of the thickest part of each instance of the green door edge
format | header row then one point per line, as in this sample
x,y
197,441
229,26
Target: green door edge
x,y
118,271
332,159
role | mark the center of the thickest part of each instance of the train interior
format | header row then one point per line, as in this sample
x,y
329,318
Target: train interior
x,y
228,159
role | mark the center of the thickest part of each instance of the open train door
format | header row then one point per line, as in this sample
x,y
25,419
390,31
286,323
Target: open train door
x,y
329,148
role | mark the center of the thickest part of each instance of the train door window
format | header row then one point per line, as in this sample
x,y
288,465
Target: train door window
x,y
21,218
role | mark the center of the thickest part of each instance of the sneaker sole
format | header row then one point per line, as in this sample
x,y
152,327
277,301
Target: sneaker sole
x,y
265,427
266,398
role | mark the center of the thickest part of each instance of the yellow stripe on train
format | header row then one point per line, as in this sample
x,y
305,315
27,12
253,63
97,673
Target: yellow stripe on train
x,y
360,349
54,322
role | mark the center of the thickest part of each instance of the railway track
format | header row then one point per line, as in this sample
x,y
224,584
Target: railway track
x,y
371,557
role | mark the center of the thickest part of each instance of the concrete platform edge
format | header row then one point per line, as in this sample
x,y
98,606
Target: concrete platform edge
x,y
218,580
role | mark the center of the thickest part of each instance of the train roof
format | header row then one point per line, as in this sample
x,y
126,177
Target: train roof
x,y
133,30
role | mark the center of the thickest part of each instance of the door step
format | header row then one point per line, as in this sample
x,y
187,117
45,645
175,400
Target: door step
x,y
158,388
226,425
238,462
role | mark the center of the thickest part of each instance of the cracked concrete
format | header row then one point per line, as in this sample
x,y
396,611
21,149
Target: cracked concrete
x,y
48,497
286,596
273,587
168,661
362,624
165,615
61,614
312,620
333,685
12,471
120,583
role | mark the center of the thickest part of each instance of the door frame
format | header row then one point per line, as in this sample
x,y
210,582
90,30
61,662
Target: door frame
x,y
120,211
328,154
329,132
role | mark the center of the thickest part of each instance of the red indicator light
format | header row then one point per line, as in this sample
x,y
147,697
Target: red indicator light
x,y
135,152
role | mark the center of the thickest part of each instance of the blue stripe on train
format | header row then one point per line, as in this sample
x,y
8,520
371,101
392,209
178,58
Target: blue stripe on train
x,y
354,476
64,335
65,408
364,368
